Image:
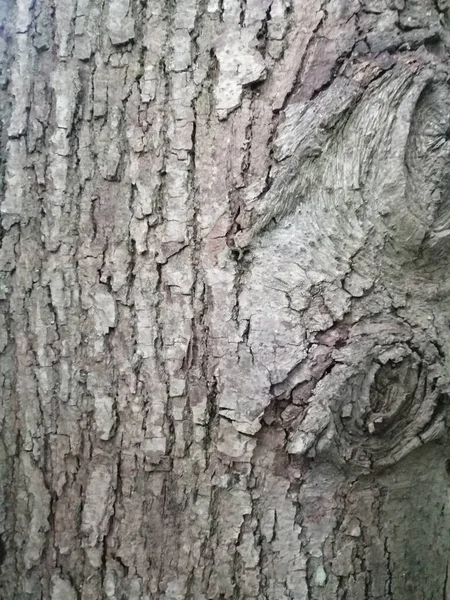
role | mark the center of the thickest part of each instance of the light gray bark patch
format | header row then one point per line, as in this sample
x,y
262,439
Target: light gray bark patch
x,y
239,65
98,503
120,22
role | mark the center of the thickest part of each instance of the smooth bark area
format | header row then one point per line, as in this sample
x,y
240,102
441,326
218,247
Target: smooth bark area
x,y
224,292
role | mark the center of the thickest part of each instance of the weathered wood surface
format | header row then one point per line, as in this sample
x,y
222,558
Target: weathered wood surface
x,y
225,299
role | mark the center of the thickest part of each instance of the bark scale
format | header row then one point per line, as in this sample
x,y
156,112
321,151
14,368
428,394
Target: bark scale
x,y
225,301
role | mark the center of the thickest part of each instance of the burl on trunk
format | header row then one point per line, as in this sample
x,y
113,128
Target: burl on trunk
x,y
224,285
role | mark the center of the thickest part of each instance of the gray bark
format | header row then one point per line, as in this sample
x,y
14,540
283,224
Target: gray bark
x,y
225,299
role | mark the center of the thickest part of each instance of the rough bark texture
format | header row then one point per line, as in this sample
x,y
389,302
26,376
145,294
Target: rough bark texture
x,y
225,299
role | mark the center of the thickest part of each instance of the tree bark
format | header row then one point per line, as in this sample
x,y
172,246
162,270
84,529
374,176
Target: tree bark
x,y
225,299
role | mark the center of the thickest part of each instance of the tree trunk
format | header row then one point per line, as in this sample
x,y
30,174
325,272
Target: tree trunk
x,y
225,299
